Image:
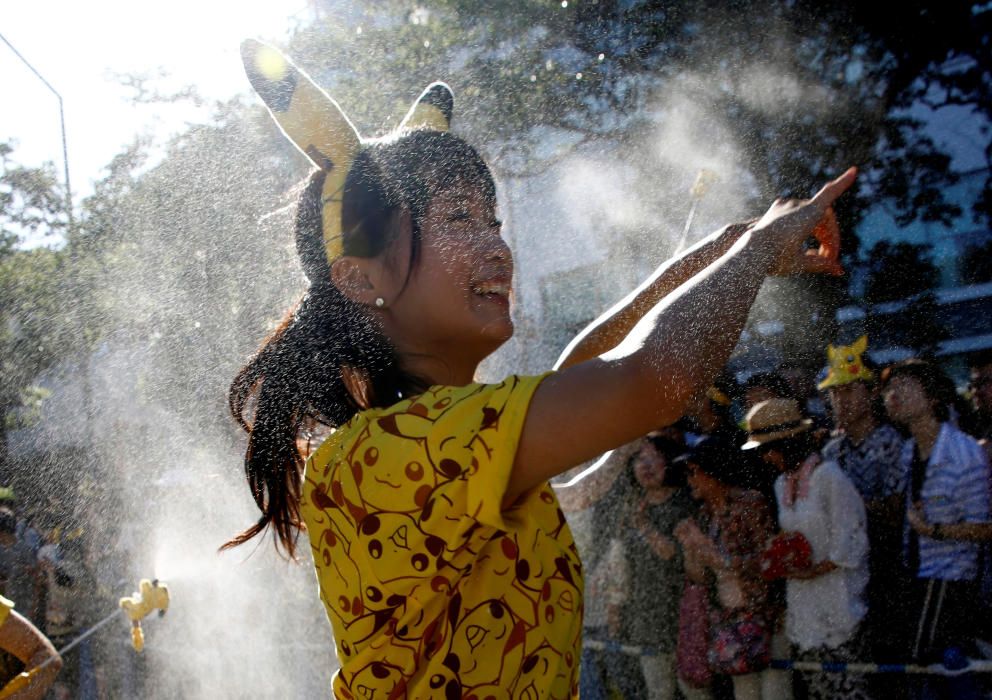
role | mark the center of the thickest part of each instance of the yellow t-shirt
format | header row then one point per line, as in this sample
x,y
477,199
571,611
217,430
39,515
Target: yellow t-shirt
x,y
431,589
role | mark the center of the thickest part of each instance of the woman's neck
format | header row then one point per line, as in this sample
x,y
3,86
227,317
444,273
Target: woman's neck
x,y
718,501
861,428
925,430
439,371
659,494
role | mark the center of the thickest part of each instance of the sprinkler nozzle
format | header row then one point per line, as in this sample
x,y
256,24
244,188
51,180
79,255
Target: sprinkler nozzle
x,y
704,179
151,596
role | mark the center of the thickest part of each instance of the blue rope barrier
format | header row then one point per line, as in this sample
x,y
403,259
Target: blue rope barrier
x,y
958,665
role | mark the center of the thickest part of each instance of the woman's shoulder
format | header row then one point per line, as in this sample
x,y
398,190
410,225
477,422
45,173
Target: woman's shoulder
x,y
439,427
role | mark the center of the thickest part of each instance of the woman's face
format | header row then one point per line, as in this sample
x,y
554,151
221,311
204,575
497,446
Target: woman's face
x,y
703,486
905,399
457,298
850,403
649,467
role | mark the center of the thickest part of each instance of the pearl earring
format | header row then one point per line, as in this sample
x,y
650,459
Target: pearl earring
x,y
380,302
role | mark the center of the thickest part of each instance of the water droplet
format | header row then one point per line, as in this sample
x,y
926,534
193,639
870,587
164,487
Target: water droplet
x,y
564,3
358,30
601,56
578,76
533,78
427,43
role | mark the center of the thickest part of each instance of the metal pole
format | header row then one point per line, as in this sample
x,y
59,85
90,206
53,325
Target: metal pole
x,y
65,148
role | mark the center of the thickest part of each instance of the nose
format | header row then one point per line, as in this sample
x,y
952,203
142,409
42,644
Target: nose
x,y
499,250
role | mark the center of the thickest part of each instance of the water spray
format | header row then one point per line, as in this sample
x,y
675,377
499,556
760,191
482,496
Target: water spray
x,y
150,596
699,188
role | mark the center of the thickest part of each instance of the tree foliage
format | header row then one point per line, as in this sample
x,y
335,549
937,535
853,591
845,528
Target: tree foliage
x,y
805,88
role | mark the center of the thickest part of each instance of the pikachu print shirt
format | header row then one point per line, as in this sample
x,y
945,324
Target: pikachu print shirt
x,y
433,590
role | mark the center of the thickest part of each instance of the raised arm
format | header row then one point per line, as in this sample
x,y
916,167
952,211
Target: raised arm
x,y
673,352
609,330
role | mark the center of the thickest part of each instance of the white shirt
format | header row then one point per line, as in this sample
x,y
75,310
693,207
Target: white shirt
x,y
826,610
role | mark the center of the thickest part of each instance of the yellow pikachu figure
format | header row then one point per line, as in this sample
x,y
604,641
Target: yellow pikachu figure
x,y
845,364
151,596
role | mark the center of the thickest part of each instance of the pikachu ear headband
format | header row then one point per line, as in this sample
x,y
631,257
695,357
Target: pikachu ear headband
x,y
319,128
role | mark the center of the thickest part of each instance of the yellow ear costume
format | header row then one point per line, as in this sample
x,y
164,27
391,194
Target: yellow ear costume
x,y
846,365
319,128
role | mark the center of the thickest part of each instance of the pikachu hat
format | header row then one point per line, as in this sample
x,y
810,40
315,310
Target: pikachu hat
x,y
319,128
845,364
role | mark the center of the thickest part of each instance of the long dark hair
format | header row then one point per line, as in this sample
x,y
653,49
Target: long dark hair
x,y
295,379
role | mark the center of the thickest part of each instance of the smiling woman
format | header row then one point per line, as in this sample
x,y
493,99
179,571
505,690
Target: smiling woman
x,y
445,564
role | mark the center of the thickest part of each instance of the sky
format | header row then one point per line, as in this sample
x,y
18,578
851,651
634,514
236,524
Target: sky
x,y
79,47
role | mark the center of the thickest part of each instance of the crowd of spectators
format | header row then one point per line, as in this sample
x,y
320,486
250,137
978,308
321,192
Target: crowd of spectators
x,y
846,523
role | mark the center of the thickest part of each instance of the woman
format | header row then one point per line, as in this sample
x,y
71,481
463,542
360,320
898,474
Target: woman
x,y
946,486
725,545
444,563
825,597
654,561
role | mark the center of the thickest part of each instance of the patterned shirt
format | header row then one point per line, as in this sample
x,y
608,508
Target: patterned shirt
x,y
874,466
741,531
955,490
431,587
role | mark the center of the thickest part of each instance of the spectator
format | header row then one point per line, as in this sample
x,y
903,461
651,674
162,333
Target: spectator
x,y
70,608
801,378
654,561
724,545
869,451
710,414
21,576
825,602
980,387
763,386
592,500
946,479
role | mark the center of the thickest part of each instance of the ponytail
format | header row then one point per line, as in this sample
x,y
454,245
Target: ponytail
x,y
295,381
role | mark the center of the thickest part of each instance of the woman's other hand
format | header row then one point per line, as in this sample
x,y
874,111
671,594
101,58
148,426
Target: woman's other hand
x,y
917,521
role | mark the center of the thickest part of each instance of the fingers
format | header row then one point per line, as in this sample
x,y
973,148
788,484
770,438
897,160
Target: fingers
x,y
834,189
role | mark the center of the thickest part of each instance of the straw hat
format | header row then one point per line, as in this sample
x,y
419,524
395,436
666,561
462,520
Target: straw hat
x,y
774,419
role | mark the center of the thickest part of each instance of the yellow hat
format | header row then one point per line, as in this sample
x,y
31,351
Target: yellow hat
x,y
319,128
846,365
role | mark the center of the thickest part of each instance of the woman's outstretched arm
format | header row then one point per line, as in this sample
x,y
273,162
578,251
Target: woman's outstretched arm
x,y
609,330
673,352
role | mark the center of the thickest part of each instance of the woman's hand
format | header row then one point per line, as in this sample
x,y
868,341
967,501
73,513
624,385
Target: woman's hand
x,y
789,223
694,540
917,521
815,571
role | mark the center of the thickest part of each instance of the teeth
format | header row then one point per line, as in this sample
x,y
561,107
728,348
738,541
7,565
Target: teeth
x,y
500,288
